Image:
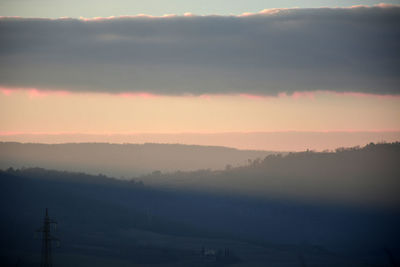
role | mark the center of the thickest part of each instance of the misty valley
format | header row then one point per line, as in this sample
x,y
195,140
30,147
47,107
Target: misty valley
x,y
249,208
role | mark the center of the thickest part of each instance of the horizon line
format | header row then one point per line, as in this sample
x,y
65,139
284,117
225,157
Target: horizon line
x,y
11,133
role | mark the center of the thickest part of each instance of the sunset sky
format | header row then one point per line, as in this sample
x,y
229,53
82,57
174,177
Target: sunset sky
x,y
71,70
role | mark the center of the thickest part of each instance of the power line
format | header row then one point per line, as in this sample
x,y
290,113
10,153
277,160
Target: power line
x,y
47,239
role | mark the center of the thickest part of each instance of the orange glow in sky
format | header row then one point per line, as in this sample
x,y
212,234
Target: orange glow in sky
x,y
33,110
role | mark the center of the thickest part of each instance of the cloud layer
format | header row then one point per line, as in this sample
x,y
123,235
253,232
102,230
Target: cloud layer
x,y
282,50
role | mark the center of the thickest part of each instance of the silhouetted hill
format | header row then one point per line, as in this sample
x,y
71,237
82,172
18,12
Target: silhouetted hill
x,y
122,159
110,222
358,176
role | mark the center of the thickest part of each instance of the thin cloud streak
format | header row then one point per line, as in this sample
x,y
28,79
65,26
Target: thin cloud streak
x,y
34,92
264,54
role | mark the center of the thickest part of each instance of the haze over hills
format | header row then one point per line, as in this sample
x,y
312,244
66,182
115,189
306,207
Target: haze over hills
x,y
125,160
268,212
357,176
336,208
350,176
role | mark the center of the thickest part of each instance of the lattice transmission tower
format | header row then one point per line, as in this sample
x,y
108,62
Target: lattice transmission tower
x,y
47,239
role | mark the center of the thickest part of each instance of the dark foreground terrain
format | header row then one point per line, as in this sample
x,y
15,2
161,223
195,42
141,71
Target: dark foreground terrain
x,y
109,222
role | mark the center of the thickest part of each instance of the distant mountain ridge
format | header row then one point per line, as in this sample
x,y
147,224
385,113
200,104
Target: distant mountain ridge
x,y
268,141
123,160
357,176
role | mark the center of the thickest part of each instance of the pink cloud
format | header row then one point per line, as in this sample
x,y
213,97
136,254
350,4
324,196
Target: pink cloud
x,y
283,94
34,92
251,96
40,93
6,91
309,95
135,95
208,97
384,5
269,11
359,95
243,95
380,5
127,17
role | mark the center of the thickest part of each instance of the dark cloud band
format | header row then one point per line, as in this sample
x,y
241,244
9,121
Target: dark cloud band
x,y
352,49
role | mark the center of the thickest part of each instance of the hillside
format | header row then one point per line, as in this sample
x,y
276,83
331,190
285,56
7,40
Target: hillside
x,y
109,222
350,176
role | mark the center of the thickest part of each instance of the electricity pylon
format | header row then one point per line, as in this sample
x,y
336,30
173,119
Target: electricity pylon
x,y
47,238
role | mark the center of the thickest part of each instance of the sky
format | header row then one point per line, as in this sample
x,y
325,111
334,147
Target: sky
x,y
240,68
102,8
